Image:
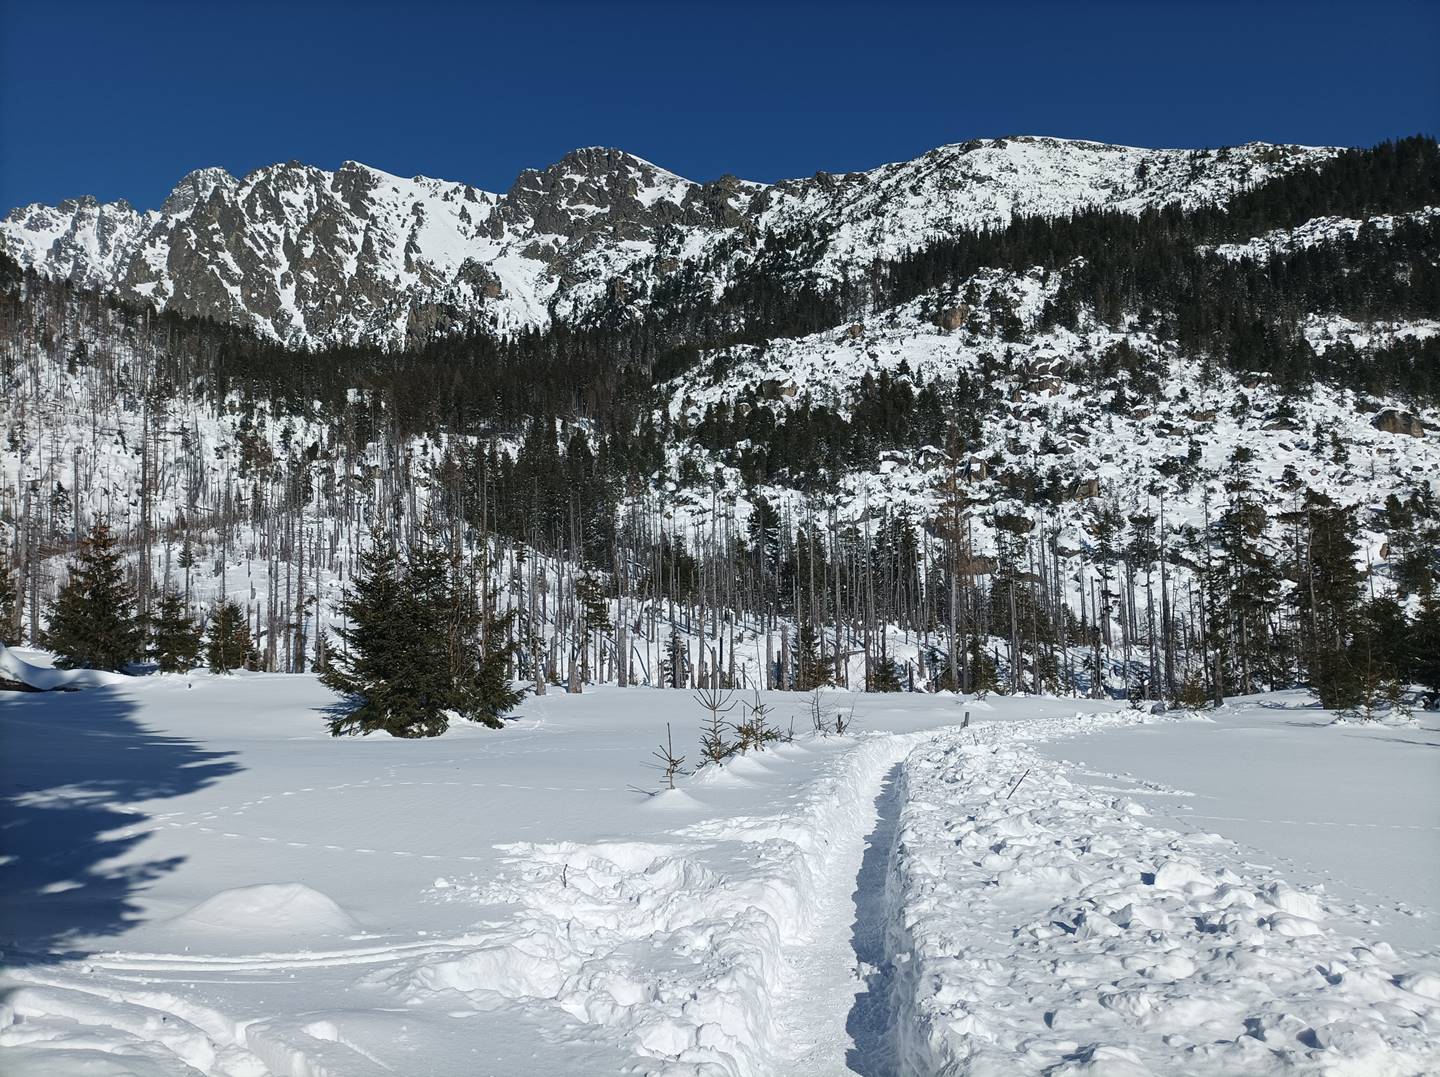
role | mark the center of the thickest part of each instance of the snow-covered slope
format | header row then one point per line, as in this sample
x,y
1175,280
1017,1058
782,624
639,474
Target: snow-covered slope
x,y
1050,414
308,256
1318,232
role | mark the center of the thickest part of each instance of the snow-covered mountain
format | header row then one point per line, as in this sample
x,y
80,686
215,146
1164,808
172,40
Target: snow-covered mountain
x,y
1049,379
312,257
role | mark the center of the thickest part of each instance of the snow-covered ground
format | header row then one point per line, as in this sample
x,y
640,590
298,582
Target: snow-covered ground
x,y
1359,814
1052,926
198,879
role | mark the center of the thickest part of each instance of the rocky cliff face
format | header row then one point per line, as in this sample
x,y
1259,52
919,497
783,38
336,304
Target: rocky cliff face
x,y
313,257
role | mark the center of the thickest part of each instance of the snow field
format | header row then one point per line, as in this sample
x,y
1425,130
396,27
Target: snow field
x,y
245,896
1041,926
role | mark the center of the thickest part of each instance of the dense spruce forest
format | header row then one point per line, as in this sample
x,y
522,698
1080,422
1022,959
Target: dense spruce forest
x,y
581,500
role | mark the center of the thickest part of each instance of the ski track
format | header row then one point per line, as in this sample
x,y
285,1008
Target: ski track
x,y
169,1034
173,820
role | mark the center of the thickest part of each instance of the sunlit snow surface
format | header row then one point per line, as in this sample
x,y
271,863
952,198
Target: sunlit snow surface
x,y
200,880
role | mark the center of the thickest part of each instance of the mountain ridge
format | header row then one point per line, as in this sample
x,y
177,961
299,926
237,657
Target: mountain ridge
x,y
307,256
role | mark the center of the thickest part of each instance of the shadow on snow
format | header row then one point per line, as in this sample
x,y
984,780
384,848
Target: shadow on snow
x,y
870,1019
70,766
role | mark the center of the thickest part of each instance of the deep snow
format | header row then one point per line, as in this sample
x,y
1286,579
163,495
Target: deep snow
x,y
199,879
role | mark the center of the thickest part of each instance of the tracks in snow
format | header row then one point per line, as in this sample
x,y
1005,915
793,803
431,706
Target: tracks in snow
x,y
750,920
835,1012
771,936
58,1022
871,1018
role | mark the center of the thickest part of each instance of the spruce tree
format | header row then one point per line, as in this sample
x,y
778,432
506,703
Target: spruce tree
x,y
813,667
418,649
227,644
175,638
884,675
434,644
321,662
483,650
1379,652
487,693
1425,641
1247,593
983,669
370,670
675,668
93,624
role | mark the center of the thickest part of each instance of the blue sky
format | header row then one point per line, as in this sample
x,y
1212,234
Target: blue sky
x,y
122,99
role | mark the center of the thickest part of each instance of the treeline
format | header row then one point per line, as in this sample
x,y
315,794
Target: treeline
x,y
1153,611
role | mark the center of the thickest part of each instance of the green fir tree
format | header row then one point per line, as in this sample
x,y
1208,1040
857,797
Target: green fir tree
x,y
93,624
227,643
175,637
418,649
1328,594
370,667
9,605
813,667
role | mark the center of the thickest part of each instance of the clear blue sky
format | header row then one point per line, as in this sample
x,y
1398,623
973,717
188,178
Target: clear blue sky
x,y
122,99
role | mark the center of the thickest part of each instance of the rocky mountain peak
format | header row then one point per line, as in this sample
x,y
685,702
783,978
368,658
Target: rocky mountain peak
x,y
194,189
316,257
596,189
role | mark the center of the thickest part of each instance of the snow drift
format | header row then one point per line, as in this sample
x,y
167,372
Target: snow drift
x,y
46,679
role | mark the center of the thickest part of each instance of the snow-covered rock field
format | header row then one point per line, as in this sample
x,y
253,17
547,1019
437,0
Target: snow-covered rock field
x,y
198,879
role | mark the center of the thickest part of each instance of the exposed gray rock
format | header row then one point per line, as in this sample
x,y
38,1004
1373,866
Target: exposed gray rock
x,y
1395,421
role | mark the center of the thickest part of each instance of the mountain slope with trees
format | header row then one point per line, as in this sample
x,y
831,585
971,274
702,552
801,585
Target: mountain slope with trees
x,y
1165,431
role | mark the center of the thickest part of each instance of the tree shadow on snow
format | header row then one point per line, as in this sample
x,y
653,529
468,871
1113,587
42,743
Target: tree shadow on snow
x,y
870,1019
70,763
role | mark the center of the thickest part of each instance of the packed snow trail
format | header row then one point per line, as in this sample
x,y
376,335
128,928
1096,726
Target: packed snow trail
x,y
723,948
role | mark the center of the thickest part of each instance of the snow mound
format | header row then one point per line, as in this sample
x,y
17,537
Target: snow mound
x,y
45,679
269,910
